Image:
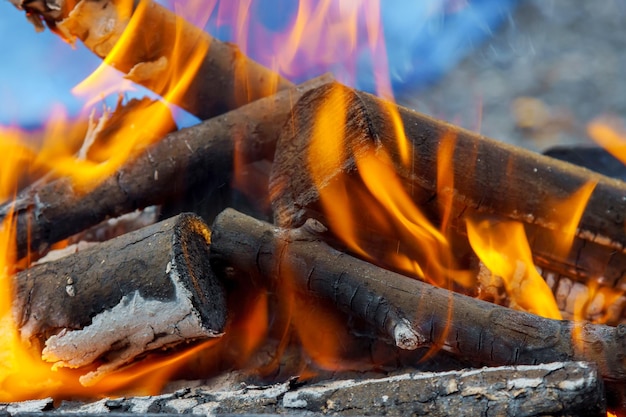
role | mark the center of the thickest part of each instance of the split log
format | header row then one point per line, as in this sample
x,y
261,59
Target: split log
x,y
200,160
485,179
569,388
161,46
144,290
410,312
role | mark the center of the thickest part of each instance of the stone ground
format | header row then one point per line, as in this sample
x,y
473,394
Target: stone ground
x,y
552,68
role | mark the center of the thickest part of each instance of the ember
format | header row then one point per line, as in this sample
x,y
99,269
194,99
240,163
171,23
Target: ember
x,y
377,240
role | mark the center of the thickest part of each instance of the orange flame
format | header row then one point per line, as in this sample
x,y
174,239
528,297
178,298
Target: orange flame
x,y
23,373
566,215
610,134
503,248
421,248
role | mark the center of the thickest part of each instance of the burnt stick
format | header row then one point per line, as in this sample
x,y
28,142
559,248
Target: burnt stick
x,y
145,290
559,389
487,179
161,41
556,389
466,327
199,159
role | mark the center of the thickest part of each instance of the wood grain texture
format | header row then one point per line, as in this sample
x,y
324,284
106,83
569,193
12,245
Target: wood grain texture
x,y
199,160
471,329
143,290
486,180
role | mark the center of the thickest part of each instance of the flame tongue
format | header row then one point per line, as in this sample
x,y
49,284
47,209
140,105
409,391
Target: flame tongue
x,y
374,189
503,248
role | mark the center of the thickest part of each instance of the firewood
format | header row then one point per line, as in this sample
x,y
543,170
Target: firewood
x,y
564,388
487,179
592,157
411,312
200,159
145,290
160,41
570,388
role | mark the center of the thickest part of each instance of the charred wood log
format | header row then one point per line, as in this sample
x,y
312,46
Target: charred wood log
x,y
485,179
591,157
412,313
199,160
144,290
569,388
160,40
549,389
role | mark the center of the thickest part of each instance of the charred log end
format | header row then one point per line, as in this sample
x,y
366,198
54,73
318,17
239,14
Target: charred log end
x,y
191,256
290,185
145,290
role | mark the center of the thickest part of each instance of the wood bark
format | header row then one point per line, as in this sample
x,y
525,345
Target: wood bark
x,y
571,388
200,160
471,329
161,41
486,179
144,290
567,388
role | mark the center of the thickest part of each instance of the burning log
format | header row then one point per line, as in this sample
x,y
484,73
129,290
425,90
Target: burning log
x,y
200,160
569,388
452,176
410,312
142,291
157,44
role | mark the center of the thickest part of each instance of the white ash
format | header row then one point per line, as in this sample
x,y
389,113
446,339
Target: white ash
x,y
106,230
550,278
97,407
576,299
57,254
572,385
522,383
180,405
596,305
120,225
380,394
141,405
136,324
406,337
31,406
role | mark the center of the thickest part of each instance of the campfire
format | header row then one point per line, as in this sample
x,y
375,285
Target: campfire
x,y
306,247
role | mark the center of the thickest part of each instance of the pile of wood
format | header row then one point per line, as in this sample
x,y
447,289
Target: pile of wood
x,y
175,281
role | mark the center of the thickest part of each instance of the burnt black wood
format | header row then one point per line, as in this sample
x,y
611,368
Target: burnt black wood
x,y
69,292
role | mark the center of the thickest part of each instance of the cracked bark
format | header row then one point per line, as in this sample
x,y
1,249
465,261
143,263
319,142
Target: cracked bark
x,y
162,46
144,290
566,388
198,161
475,178
468,328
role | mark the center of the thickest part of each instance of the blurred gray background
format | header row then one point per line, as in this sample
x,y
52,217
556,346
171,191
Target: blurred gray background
x,y
549,70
